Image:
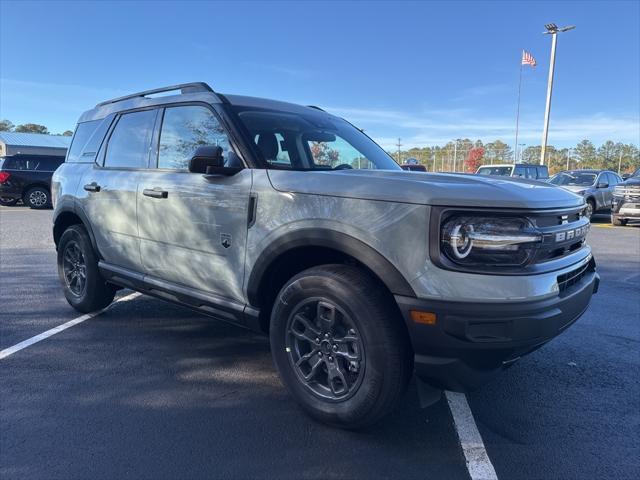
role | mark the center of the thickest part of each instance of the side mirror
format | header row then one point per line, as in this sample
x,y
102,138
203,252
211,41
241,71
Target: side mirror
x,y
626,176
208,159
602,185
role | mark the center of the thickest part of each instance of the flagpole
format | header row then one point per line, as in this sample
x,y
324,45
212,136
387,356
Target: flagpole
x,y
515,159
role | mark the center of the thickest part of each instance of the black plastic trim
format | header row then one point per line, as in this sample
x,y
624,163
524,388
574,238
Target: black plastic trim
x,y
341,242
204,302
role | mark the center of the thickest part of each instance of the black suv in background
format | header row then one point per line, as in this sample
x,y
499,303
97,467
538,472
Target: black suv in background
x,y
27,178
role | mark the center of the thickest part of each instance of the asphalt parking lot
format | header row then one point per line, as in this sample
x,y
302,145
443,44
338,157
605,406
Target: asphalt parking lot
x,y
152,390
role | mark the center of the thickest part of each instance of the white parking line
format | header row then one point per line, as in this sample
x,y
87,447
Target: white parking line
x,y
478,463
38,338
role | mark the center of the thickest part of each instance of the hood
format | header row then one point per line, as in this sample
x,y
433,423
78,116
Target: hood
x,y
576,188
462,190
631,181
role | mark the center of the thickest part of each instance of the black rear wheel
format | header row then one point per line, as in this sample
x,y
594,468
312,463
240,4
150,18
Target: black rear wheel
x,y
84,287
340,346
38,198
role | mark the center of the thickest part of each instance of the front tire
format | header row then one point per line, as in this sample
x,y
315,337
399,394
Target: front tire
x,y
340,347
8,201
84,287
590,209
618,222
37,198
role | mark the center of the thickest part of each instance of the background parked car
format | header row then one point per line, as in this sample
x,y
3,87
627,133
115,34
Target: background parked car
x,y
596,186
626,200
521,170
413,167
27,162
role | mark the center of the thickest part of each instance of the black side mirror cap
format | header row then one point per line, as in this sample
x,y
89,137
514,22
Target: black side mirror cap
x,y
603,185
206,156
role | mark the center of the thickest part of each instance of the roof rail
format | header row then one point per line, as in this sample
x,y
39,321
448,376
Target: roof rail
x,y
183,87
317,108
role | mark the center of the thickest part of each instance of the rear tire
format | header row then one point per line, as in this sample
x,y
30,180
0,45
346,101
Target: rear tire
x,y
618,222
37,198
8,201
336,326
84,287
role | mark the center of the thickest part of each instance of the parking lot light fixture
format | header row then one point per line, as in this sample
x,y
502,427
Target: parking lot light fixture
x,y
553,30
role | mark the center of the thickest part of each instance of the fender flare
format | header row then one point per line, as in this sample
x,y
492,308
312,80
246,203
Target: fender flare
x,y
69,207
341,242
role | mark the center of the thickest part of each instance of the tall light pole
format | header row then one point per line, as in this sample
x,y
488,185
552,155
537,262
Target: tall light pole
x,y
521,145
553,30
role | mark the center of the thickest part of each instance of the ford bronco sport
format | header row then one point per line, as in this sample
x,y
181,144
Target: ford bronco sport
x,y
288,220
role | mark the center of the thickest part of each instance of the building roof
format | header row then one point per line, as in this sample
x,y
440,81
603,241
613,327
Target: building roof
x,y
13,143
16,139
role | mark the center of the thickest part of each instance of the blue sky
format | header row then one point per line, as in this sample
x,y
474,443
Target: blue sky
x,y
427,72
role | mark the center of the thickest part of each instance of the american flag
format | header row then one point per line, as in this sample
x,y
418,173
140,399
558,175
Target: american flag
x,y
527,59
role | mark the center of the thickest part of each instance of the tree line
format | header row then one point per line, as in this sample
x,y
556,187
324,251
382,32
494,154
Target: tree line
x,y
465,155
8,126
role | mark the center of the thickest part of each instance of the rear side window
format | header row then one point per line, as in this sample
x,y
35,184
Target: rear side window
x,y
519,172
130,141
49,164
86,140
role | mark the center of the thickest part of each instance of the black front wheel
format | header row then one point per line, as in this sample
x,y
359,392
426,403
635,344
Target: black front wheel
x,y
84,287
340,346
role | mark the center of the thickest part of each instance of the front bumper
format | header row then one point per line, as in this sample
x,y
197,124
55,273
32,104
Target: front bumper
x,y
471,341
623,208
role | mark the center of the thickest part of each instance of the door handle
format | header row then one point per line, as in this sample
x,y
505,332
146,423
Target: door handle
x,y
153,193
92,187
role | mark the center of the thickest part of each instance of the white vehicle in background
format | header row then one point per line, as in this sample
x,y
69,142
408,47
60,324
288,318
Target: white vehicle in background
x,y
522,170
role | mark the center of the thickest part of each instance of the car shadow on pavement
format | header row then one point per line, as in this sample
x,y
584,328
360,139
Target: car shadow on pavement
x,y
151,390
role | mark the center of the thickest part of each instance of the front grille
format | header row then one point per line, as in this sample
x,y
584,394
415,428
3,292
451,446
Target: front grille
x,y
567,280
630,193
564,232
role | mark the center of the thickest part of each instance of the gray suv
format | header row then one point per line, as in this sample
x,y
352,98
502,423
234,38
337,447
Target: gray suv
x,y
596,186
287,220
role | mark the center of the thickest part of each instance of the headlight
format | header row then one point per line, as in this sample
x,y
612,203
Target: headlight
x,y
488,241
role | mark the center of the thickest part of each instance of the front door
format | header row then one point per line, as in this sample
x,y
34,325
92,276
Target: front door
x,y
193,227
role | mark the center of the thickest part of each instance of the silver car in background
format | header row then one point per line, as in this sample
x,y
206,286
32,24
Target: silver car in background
x,y
596,186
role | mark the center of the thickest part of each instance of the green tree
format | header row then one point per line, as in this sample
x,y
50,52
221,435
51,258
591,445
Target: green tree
x,y
67,133
585,154
498,152
608,155
31,128
6,126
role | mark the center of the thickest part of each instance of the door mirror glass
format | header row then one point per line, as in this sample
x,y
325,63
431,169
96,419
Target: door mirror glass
x,y
602,185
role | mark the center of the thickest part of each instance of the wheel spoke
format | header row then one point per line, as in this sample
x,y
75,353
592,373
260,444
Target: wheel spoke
x,y
326,315
335,373
345,352
307,356
310,332
314,363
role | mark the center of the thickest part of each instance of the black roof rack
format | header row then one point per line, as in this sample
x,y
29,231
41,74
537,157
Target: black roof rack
x,y
183,87
317,108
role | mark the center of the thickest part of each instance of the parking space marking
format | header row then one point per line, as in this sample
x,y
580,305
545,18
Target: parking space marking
x,y
44,335
478,463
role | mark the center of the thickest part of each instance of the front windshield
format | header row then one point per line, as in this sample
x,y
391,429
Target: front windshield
x,y
581,179
494,171
311,141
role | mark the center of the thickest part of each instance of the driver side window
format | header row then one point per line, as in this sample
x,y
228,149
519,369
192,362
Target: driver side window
x,y
184,129
338,152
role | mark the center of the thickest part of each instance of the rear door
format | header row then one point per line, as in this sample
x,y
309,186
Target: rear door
x,y
109,188
193,227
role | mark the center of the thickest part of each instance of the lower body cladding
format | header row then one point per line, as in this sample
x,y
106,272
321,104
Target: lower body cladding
x,y
458,345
